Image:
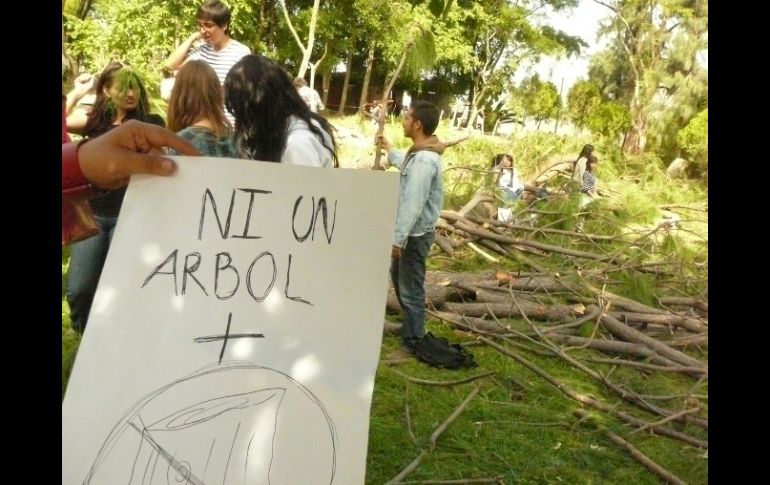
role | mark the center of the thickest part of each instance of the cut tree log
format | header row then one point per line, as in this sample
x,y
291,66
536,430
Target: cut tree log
x,y
685,301
467,226
506,310
628,334
625,348
690,324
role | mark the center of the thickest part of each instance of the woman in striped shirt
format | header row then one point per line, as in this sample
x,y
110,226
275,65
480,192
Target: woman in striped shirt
x,y
590,181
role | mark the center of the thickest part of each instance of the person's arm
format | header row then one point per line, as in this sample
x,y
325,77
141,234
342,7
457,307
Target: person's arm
x,y
109,160
395,157
83,83
179,56
77,118
516,183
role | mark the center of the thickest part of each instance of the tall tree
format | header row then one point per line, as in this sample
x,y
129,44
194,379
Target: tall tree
x,y
307,46
418,52
644,34
538,99
489,41
583,98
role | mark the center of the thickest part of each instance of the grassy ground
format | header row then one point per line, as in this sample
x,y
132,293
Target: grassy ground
x,y
519,427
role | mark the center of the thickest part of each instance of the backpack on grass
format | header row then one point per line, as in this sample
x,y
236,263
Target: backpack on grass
x,y
438,352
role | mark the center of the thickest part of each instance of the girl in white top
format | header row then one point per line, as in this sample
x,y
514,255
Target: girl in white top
x,y
507,178
579,166
272,122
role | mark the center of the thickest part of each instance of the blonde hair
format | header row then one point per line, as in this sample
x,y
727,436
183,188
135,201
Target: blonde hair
x,y
197,95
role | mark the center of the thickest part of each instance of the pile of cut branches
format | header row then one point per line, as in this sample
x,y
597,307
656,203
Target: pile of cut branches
x,y
554,312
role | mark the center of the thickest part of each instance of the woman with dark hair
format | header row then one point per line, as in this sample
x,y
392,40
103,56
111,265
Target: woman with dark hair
x,y
120,96
507,178
272,122
195,110
579,165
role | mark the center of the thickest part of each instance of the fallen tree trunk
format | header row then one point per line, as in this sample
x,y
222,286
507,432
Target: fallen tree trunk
x,y
623,331
505,310
467,226
623,348
690,324
685,301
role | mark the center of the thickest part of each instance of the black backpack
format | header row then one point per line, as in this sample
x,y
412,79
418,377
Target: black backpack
x,y
438,352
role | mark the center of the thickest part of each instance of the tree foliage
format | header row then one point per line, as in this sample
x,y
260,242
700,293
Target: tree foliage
x,y
610,119
583,98
538,99
693,139
651,66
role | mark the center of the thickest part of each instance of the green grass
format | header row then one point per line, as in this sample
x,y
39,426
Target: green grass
x,y
522,435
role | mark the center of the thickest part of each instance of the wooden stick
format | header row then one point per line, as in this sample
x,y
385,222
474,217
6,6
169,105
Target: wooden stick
x,y
629,334
581,398
443,383
628,396
449,482
638,455
433,437
409,427
481,253
642,365
666,419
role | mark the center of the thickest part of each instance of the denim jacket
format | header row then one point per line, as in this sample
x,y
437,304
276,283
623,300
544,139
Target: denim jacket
x,y
421,194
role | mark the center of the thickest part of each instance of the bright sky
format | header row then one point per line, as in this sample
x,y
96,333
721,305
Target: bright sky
x,y
582,21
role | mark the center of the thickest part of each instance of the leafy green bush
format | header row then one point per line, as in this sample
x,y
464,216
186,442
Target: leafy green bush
x,y
693,140
610,119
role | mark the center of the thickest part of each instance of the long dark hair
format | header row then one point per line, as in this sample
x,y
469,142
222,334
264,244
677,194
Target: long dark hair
x,y
498,159
105,109
260,95
585,152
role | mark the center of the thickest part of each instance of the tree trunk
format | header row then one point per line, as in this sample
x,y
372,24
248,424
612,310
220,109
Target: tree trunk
x,y
83,8
367,78
307,49
345,83
635,139
327,79
384,102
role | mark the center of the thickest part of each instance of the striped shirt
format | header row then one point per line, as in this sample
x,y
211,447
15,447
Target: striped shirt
x,y
589,182
221,61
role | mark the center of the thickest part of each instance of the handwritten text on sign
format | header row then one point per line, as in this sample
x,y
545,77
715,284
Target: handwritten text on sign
x,y
284,269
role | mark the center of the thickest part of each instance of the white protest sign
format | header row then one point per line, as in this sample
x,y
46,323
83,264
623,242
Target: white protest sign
x,y
235,333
